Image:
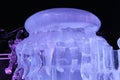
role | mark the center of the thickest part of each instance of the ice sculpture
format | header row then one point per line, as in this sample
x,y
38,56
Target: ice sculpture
x,y
63,45
12,56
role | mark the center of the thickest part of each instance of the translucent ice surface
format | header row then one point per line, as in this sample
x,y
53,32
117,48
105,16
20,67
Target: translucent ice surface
x,y
57,19
62,45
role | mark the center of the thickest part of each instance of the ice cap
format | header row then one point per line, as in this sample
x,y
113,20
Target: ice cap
x,y
59,17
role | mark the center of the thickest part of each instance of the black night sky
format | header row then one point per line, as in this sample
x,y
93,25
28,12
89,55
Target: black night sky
x,y
13,14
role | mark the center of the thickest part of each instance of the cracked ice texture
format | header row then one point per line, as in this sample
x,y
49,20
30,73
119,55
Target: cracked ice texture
x,y
62,45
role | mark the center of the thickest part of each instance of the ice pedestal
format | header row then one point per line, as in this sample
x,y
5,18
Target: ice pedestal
x,y
62,45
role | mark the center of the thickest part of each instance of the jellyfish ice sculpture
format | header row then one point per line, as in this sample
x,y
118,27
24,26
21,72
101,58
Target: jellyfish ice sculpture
x,y
63,45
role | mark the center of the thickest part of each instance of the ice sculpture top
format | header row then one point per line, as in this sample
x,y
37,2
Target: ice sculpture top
x,y
48,20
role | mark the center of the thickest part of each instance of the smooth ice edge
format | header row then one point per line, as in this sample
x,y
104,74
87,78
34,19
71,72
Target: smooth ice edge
x,y
118,42
41,20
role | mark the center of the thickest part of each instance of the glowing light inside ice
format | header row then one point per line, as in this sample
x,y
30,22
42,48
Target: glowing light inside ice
x,y
62,45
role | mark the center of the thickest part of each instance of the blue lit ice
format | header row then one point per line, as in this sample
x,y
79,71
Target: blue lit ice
x,y
63,45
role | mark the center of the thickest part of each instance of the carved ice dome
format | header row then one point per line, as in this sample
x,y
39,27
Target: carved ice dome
x,y
50,19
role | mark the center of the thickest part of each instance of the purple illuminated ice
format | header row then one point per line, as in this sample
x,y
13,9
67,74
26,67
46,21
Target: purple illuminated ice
x,y
62,45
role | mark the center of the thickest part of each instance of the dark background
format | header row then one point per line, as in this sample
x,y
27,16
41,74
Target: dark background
x,y
13,14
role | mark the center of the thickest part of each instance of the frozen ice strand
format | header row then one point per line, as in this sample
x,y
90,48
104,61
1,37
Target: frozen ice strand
x,y
63,45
